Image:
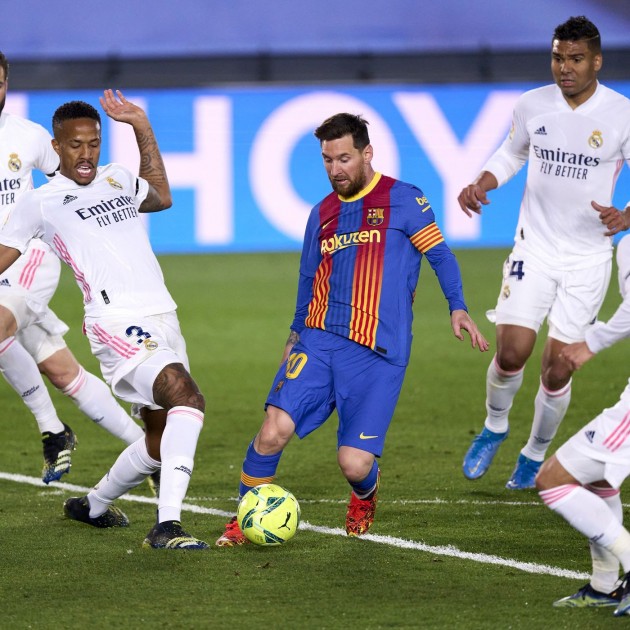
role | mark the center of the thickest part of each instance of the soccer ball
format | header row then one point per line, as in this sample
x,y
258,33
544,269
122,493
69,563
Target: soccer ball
x,y
268,515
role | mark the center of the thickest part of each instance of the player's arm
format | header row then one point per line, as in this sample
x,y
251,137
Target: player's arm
x,y
504,163
8,255
615,220
446,267
152,169
599,336
309,262
473,196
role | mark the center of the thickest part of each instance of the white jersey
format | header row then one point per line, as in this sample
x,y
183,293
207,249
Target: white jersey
x,y
97,231
25,146
575,156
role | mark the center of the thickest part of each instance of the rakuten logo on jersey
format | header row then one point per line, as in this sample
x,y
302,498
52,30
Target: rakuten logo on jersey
x,y
341,241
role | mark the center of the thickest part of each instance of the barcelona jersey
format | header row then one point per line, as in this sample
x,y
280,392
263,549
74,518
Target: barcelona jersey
x,y
360,265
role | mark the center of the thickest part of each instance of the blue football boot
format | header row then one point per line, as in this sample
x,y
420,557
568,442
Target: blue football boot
x,y
524,475
481,453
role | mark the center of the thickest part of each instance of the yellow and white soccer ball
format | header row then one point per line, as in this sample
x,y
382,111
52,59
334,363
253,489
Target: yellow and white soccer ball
x,y
268,515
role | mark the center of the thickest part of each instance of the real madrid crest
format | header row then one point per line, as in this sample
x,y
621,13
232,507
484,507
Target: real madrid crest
x,y
113,183
375,216
596,140
15,164
505,292
149,344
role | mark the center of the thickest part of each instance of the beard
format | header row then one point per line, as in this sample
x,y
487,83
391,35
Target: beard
x,y
353,187
2,102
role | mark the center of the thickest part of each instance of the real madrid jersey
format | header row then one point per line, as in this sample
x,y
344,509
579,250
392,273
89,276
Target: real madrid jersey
x,y
97,231
25,146
575,156
360,264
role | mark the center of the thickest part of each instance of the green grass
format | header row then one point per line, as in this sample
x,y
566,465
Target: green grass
x,y
235,311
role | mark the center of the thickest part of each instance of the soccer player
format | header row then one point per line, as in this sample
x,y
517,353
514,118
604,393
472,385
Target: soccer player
x,y
576,135
350,338
89,216
31,335
581,480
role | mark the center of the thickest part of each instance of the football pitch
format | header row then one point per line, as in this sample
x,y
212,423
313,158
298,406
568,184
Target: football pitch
x,y
444,552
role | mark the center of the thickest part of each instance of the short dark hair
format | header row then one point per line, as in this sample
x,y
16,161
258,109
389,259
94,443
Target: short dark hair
x,y
4,63
73,110
577,29
341,125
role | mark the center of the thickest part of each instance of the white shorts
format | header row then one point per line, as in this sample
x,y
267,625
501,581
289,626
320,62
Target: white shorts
x,y
40,332
26,287
132,351
34,275
601,450
531,292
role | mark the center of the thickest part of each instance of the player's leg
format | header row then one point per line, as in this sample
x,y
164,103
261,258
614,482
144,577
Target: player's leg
x,y
175,390
367,388
580,295
19,367
156,375
300,400
260,464
550,406
91,395
526,295
580,482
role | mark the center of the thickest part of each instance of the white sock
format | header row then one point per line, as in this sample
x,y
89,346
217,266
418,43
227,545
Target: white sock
x,y
591,516
96,401
21,372
131,468
549,409
501,387
177,450
605,565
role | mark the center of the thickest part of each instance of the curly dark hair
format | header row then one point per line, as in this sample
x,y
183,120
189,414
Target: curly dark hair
x,y
577,29
73,110
341,125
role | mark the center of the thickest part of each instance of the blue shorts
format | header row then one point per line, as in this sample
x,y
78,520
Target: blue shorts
x,y
326,372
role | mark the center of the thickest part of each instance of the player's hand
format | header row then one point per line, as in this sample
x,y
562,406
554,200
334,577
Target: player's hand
x,y
615,220
461,320
472,198
117,107
576,354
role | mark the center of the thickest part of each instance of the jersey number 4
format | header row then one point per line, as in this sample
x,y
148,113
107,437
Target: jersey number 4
x,y
517,269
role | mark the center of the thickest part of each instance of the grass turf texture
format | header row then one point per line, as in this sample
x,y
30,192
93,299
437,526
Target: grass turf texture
x,y
235,311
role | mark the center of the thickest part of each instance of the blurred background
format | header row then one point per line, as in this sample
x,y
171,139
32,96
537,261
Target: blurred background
x,y
235,89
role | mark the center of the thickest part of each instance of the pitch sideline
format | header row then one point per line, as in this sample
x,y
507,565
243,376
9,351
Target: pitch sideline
x,y
401,543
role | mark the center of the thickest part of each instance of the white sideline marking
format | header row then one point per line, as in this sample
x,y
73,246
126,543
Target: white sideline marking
x,y
401,543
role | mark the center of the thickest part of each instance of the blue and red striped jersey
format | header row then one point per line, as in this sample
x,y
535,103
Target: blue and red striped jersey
x,y
361,261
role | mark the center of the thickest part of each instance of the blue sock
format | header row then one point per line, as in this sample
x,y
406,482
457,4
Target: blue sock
x,y
363,489
257,469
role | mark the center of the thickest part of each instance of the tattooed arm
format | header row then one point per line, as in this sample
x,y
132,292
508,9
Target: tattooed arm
x,y
117,107
291,341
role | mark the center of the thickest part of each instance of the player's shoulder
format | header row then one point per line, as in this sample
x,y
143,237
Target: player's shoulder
x,y
401,188
614,97
538,96
115,175
22,125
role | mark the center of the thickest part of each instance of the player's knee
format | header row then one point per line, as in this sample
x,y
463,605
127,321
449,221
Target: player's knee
x,y
353,467
8,325
545,478
275,433
511,359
